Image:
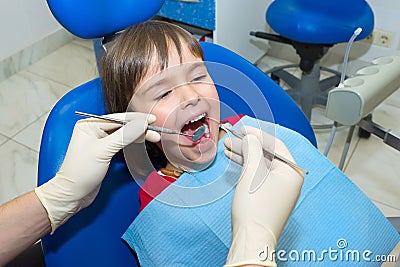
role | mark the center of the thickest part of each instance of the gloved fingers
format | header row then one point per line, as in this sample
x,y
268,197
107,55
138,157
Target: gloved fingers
x,y
259,167
238,158
95,127
233,150
269,141
133,131
278,147
130,116
234,157
255,167
152,136
102,128
277,166
233,144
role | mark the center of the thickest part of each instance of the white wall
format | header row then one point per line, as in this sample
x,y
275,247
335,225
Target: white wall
x,y
386,14
22,23
234,21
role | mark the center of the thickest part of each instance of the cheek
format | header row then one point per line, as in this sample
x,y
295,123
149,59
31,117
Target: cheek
x,y
158,110
141,104
210,92
213,99
163,113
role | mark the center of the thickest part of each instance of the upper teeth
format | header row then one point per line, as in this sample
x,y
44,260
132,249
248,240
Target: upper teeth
x,y
197,118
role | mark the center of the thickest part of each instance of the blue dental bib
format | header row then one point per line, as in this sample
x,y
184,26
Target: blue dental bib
x,y
333,223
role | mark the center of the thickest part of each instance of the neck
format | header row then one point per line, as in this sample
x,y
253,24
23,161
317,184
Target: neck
x,y
171,167
171,171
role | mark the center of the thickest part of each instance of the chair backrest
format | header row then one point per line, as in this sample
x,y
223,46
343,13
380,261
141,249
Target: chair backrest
x,y
241,98
93,237
98,18
320,22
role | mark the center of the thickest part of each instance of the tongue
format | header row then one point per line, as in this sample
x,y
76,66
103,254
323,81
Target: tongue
x,y
191,127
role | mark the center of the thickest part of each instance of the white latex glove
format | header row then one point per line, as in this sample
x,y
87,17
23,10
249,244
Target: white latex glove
x,y
86,162
258,218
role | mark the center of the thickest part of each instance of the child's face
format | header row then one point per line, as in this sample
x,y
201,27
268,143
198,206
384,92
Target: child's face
x,y
183,98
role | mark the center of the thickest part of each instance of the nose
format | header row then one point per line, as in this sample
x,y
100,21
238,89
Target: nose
x,y
189,95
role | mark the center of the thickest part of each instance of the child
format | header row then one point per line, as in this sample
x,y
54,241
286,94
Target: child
x,y
155,67
158,68
183,102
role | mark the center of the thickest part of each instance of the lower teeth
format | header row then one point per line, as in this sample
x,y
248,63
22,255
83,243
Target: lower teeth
x,y
207,132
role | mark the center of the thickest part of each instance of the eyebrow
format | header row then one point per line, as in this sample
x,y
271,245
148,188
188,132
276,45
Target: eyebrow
x,y
150,86
195,65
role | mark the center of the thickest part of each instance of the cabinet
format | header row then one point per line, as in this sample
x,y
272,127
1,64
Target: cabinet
x,y
229,22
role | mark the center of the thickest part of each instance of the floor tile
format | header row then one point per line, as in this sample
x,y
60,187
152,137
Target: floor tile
x,y
387,210
3,139
268,62
387,116
24,98
336,149
375,168
86,43
18,170
31,135
394,99
34,52
71,65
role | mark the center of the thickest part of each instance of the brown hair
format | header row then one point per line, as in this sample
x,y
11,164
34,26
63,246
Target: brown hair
x,y
128,59
130,55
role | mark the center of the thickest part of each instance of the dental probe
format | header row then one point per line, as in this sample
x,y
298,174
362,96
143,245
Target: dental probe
x,y
266,151
149,127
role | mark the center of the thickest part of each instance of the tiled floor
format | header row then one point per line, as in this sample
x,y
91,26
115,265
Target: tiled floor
x,y
25,100
27,97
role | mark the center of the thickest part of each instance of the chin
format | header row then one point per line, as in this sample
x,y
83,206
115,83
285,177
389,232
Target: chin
x,y
201,156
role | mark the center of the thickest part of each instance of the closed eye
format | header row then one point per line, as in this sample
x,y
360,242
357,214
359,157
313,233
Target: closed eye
x,y
200,78
164,95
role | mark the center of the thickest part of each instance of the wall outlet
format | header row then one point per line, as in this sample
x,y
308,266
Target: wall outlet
x,y
383,38
380,38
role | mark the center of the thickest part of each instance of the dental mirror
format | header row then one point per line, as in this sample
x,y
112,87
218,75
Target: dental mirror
x,y
198,133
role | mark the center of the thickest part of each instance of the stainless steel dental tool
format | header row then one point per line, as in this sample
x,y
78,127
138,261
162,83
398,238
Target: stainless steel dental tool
x,y
149,127
267,152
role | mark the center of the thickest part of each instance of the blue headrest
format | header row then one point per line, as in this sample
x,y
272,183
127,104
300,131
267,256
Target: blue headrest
x,y
320,22
90,19
285,111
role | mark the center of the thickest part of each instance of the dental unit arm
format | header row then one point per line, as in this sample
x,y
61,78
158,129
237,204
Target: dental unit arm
x,y
361,94
351,103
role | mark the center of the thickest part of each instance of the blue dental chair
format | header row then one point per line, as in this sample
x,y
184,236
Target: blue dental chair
x,y
312,27
93,236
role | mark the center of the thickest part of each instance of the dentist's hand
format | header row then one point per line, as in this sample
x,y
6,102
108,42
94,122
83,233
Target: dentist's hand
x,y
264,198
86,162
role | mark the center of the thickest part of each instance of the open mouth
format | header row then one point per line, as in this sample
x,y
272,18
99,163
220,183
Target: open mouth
x,y
193,125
